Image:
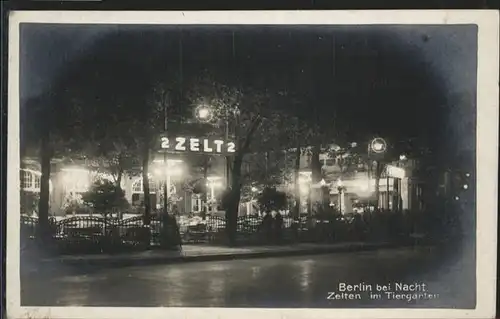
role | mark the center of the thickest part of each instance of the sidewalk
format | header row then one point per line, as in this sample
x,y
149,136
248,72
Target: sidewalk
x,y
192,253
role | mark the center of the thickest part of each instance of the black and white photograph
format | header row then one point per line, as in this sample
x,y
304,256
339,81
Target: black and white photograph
x,y
277,164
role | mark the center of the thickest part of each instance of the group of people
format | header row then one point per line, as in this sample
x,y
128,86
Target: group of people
x,y
272,227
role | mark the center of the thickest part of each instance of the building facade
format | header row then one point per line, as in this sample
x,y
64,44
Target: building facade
x,y
351,189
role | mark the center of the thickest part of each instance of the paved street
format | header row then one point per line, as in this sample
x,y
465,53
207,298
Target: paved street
x,y
272,282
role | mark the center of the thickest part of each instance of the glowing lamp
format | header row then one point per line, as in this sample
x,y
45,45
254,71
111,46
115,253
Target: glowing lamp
x,y
378,145
204,113
340,183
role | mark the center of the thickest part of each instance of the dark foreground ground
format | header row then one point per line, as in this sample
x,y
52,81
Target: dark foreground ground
x,y
269,282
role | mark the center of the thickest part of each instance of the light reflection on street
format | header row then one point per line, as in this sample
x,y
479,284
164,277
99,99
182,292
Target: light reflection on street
x,y
272,282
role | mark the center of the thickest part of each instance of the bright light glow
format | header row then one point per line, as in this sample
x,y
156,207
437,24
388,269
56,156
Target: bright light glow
x,y
340,183
364,187
457,198
304,189
402,157
204,113
378,145
466,186
254,189
395,172
305,177
214,181
170,162
214,184
175,171
354,144
76,179
468,175
173,168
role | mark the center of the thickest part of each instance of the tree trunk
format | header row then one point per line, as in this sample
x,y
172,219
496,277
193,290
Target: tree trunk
x,y
205,187
316,175
316,164
234,200
234,195
296,209
118,183
145,186
43,204
378,173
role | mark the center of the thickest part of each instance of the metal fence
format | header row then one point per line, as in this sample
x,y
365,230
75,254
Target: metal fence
x,y
96,233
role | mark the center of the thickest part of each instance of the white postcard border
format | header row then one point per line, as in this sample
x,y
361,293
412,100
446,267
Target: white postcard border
x,y
487,157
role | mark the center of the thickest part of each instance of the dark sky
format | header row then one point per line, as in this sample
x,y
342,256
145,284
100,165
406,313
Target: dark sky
x,y
375,79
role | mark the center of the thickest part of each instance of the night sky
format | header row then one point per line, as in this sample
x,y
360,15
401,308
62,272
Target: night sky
x,y
399,82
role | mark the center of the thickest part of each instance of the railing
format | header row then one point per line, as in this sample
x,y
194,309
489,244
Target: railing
x,y
96,234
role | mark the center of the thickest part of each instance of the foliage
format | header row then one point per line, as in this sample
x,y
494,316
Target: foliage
x,y
271,199
29,202
73,203
348,157
268,169
104,197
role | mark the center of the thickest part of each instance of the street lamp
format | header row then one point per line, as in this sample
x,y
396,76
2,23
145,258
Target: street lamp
x,y
340,188
254,191
376,149
305,184
168,169
212,183
204,113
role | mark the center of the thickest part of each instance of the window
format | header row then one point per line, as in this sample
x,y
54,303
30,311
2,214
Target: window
x,y
30,180
138,199
137,186
26,178
36,180
196,203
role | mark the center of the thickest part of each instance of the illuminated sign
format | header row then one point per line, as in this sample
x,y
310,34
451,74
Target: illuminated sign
x,y
378,145
197,145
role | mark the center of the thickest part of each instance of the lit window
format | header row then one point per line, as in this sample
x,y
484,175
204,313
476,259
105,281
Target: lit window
x,y
137,186
26,178
36,180
196,203
30,180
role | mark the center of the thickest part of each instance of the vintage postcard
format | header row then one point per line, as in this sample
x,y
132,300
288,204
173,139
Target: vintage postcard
x,y
252,164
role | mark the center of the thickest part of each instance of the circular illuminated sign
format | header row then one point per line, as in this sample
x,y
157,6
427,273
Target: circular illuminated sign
x,y
378,145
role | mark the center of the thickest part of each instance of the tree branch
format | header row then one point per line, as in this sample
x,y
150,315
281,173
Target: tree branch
x,y
248,138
